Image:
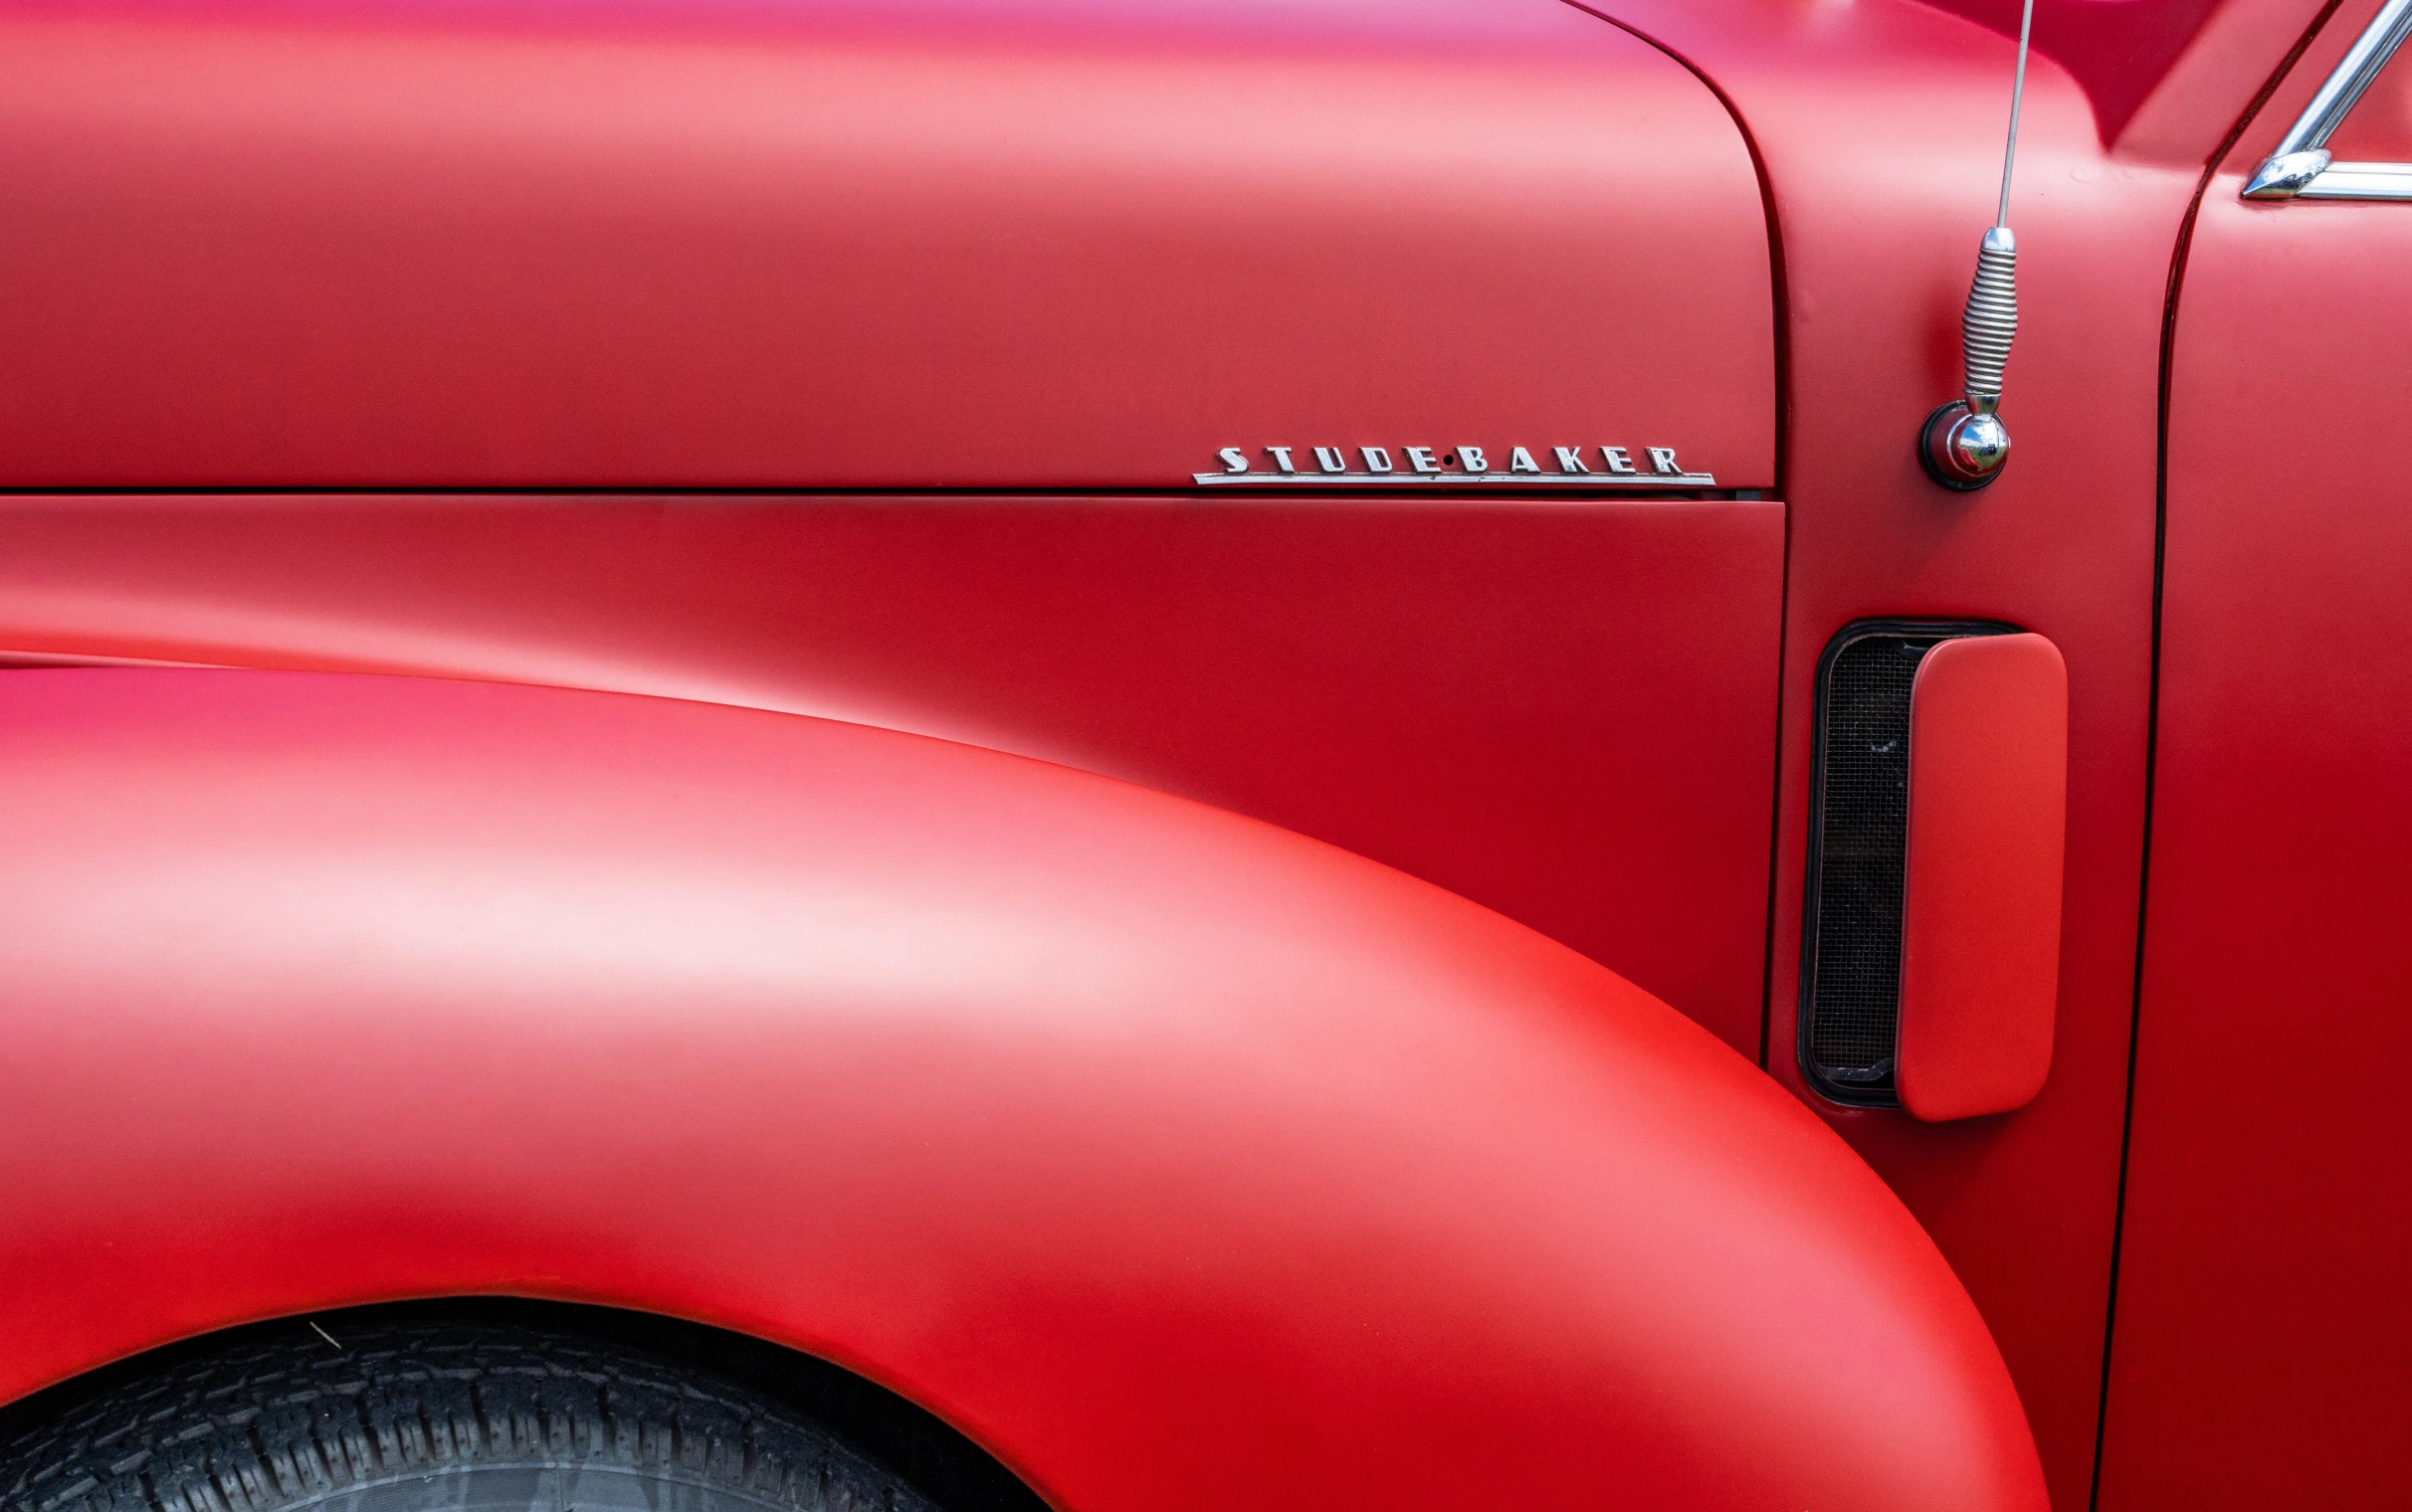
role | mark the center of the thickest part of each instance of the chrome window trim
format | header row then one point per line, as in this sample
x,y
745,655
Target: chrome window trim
x,y
2360,181
2302,168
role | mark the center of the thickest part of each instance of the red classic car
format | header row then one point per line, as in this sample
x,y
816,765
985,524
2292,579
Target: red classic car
x,y
1145,754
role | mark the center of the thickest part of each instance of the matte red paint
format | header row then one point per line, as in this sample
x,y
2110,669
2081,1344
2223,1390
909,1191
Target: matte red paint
x,y
1562,710
1183,1160
1982,892
915,245
2168,80
2260,1353
2204,96
238,254
2117,50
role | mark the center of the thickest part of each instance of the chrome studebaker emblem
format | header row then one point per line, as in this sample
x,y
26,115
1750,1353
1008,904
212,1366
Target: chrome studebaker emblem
x,y
1517,467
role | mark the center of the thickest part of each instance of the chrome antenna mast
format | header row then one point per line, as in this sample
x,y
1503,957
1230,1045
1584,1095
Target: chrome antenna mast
x,y
2018,95
1964,444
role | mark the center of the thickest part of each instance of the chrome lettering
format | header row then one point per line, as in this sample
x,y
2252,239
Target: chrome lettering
x,y
1444,469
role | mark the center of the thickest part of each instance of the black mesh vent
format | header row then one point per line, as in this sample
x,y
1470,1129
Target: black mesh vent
x,y
1852,967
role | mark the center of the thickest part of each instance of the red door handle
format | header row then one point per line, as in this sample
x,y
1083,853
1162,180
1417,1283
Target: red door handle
x,y
1981,894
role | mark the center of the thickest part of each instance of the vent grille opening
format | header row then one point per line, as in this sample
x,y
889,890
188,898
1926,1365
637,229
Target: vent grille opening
x,y
1851,956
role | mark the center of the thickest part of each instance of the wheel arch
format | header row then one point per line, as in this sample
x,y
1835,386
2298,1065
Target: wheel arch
x,y
1168,1156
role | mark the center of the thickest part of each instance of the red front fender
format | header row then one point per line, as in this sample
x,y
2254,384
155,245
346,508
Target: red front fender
x,y
1179,1160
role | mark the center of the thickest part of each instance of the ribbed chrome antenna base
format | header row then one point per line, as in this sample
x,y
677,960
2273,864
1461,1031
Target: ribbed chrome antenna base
x,y
1991,320
1964,444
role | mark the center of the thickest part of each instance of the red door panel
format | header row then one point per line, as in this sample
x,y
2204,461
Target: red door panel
x,y
1563,710
2259,1353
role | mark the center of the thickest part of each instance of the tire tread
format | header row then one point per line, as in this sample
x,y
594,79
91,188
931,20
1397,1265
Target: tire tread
x,y
267,1424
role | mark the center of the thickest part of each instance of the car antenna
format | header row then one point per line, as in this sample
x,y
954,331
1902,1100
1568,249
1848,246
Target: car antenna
x,y
1964,443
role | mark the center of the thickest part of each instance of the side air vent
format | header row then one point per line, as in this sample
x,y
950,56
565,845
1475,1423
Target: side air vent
x,y
1859,811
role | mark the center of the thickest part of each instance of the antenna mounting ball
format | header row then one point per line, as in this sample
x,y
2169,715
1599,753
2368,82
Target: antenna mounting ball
x,y
1961,448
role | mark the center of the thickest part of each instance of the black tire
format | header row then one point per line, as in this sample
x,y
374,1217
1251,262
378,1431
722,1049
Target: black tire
x,y
425,1418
